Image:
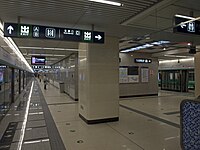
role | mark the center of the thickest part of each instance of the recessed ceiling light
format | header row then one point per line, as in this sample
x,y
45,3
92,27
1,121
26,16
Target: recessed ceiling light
x,y
189,44
164,48
107,2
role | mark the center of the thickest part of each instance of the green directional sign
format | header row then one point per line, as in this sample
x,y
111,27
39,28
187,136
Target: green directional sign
x,y
55,33
87,36
25,30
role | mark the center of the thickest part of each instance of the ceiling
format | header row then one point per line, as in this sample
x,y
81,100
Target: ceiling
x,y
130,23
160,21
52,49
73,11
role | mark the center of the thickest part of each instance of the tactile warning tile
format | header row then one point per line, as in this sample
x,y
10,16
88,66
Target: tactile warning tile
x,y
32,146
37,146
35,117
37,123
36,133
8,136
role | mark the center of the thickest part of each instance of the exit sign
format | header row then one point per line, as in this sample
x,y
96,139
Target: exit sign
x,y
55,33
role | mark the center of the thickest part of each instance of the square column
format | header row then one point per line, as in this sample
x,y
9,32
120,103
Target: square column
x,y
99,81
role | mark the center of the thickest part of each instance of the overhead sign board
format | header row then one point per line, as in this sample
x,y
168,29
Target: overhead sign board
x,y
38,60
56,33
143,60
191,27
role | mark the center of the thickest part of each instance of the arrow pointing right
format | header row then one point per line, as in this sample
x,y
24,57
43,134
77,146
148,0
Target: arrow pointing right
x,y
10,29
98,37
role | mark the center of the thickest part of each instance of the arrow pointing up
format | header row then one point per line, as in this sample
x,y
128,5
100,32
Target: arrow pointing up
x,y
98,37
10,29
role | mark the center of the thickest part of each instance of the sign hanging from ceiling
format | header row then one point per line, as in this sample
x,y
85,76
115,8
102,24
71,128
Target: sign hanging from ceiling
x,y
38,60
56,33
143,60
191,27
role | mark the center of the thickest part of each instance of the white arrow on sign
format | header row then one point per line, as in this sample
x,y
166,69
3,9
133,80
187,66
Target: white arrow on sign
x,y
183,25
10,29
98,37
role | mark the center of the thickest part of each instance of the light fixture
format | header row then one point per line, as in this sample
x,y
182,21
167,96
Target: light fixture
x,y
107,2
147,45
45,55
14,47
182,16
178,56
175,60
50,48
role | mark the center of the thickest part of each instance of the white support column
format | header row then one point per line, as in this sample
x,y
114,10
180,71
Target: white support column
x,y
99,81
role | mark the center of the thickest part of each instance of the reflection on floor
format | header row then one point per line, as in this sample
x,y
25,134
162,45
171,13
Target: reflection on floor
x,y
150,123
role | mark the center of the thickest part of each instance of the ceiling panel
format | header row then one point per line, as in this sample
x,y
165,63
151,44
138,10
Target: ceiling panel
x,y
72,11
84,12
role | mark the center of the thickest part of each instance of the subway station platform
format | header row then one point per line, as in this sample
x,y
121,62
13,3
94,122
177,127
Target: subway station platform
x,y
48,120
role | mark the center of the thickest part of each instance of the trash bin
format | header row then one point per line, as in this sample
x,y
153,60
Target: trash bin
x,y
61,87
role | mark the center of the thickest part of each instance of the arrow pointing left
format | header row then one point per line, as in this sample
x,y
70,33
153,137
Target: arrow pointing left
x,y
183,25
10,29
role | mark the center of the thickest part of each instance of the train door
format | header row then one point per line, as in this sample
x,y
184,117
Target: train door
x,y
191,80
177,80
171,80
184,80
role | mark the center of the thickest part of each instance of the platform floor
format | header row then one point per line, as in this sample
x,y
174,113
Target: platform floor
x,y
48,120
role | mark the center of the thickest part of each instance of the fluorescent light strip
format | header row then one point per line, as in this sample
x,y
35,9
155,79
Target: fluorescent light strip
x,y
44,55
50,48
157,43
182,16
188,59
176,56
13,46
107,2
175,60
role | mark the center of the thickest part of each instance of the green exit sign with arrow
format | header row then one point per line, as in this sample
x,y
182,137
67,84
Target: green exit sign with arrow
x,y
55,33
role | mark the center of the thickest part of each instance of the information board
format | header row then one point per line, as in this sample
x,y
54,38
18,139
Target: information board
x,y
128,74
144,75
56,33
143,60
38,60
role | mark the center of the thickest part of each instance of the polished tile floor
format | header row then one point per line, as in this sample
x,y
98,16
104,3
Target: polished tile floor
x,y
146,123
